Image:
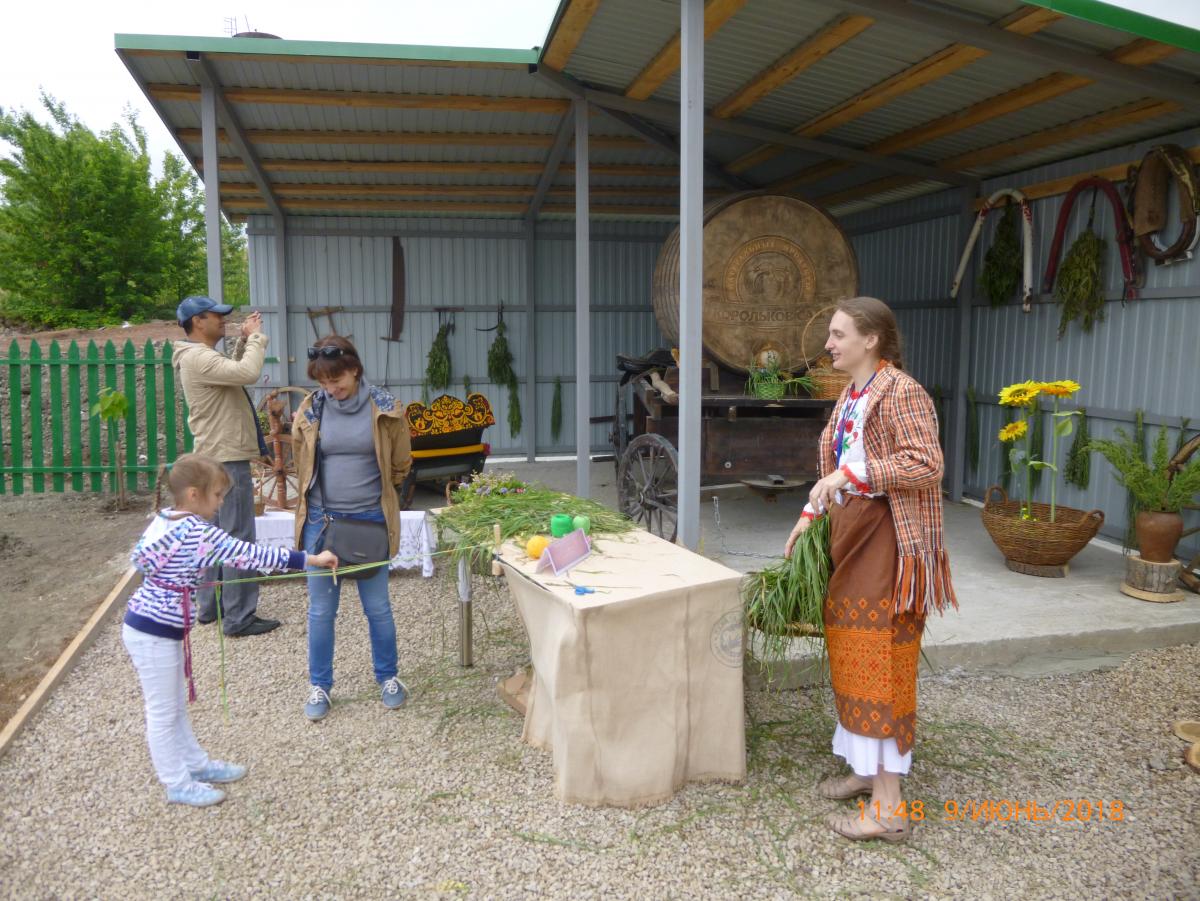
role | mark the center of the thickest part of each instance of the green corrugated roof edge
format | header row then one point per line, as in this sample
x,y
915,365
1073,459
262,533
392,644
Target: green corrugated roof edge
x,y
1127,20
269,47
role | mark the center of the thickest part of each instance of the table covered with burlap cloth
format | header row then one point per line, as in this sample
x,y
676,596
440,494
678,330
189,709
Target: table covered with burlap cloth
x,y
637,689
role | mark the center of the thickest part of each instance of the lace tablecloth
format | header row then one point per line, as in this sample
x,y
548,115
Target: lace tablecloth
x,y
276,528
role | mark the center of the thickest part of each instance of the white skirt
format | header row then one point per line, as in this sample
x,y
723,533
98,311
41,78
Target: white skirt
x,y
864,754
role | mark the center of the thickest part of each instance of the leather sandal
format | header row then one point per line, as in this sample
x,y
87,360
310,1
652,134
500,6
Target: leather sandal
x,y
851,826
842,788
1188,730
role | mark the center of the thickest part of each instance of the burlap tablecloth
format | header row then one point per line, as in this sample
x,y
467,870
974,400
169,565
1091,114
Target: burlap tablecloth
x,y
637,689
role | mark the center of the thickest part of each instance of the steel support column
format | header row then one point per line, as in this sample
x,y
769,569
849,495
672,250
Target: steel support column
x,y
691,238
956,453
530,399
281,336
583,301
212,190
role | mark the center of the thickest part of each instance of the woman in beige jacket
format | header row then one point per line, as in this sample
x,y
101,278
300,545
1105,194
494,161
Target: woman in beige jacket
x,y
365,454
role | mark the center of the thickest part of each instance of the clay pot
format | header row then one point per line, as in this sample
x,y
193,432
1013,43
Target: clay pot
x,y
1157,535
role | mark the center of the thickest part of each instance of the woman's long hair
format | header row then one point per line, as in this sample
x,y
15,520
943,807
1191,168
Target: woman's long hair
x,y
874,317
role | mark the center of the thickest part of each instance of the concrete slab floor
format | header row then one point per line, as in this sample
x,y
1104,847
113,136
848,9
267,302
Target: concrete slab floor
x,y
1023,625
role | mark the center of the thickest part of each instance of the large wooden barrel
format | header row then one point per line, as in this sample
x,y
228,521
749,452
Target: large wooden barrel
x,y
770,264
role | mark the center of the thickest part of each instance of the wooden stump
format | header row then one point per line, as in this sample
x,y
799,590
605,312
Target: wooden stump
x,y
1148,581
1034,569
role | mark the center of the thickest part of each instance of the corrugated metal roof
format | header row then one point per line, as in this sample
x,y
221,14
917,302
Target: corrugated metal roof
x,y
377,84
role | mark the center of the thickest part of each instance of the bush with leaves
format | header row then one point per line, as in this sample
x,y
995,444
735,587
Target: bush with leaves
x,y
1149,482
88,237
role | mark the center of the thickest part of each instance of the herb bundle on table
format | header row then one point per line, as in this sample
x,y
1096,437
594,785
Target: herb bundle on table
x,y
521,511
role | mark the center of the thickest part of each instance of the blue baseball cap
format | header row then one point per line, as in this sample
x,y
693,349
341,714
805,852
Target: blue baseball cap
x,y
198,303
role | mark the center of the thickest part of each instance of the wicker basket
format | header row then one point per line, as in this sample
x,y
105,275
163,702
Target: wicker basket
x,y
1037,542
770,390
828,383
793,630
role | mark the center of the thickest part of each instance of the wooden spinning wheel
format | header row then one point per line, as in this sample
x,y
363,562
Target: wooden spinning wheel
x,y
276,485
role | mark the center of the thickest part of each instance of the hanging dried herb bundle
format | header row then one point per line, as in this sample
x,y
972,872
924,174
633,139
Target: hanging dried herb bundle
x,y
556,410
1079,459
1132,507
1079,289
1002,263
500,371
466,386
972,429
437,369
1037,446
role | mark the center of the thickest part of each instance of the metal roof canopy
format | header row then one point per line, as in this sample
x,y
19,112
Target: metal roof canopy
x,y
852,103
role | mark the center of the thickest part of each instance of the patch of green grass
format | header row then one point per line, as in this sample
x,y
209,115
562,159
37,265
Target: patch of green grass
x,y
541,838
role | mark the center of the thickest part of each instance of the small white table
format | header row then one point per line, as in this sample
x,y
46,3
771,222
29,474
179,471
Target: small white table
x,y
277,528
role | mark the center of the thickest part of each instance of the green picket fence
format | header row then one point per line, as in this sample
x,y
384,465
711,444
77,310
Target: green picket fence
x,y
49,441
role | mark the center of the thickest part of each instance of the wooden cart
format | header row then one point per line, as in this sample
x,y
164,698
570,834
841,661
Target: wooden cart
x,y
771,446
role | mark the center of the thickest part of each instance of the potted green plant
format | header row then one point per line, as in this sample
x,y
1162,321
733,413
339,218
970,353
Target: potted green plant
x,y
1159,491
769,381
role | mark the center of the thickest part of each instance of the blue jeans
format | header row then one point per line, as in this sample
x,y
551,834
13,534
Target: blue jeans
x,y
323,597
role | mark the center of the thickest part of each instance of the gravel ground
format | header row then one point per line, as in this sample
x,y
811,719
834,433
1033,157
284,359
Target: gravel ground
x,y
442,799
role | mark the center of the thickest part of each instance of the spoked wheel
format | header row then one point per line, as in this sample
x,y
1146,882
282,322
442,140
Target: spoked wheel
x,y
277,482
619,433
648,485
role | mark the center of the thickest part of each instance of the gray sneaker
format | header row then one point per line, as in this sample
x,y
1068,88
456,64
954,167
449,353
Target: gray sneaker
x,y
395,693
318,704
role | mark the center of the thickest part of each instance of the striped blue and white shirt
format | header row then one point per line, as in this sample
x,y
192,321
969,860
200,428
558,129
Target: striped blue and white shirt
x,y
173,553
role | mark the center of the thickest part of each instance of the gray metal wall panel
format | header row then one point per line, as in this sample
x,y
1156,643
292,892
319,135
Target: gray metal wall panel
x,y
468,263
1143,356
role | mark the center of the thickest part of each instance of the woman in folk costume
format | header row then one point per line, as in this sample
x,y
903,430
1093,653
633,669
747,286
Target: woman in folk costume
x,y
881,468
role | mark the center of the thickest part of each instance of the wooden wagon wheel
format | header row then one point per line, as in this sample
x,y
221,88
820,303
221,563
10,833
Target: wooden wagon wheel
x,y
648,485
276,483
619,433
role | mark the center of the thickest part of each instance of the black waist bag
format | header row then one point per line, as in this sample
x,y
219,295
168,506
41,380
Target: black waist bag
x,y
353,541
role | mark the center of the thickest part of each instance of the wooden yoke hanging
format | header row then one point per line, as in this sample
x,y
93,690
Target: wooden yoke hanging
x,y
1147,185
1130,262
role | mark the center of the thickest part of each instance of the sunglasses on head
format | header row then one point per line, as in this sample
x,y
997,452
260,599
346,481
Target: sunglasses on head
x,y
329,353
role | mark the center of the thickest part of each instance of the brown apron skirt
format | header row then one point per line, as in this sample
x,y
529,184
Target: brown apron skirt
x,y
873,652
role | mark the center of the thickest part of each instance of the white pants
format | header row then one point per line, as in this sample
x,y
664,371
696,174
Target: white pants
x,y
865,754
173,747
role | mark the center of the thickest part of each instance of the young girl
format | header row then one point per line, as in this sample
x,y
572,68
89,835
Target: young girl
x,y
171,554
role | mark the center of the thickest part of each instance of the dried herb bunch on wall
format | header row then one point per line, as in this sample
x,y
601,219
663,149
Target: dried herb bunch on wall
x,y
1002,263
437,367
1080,286
501,372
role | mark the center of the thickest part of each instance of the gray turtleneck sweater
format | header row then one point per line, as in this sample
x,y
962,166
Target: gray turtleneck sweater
x,y
349,467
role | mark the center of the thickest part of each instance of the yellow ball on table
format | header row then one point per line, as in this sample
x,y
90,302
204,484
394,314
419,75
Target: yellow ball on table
x,y
536,545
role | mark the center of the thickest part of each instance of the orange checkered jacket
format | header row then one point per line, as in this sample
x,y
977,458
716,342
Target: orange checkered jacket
x,y
904,461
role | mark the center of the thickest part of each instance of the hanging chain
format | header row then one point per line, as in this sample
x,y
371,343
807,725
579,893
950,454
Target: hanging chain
x,y
725,549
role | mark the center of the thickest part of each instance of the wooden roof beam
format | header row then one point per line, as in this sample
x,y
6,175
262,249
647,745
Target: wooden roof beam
x,y
442,168
412,138
666,62
367,99
568,32
1025,20
801,57
1136,53
952,23
669,113
295,191
436,206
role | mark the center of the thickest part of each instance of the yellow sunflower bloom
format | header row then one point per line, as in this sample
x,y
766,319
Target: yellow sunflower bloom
x,y
1061,388
1021,394
1014,430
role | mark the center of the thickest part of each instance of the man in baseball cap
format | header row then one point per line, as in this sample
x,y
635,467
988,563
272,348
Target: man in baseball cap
x,y
225,427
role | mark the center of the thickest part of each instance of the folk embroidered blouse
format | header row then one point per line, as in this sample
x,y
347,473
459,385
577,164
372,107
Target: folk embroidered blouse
x,y
853,453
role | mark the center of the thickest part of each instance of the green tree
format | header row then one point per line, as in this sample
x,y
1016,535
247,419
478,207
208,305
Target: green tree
x,y
88,237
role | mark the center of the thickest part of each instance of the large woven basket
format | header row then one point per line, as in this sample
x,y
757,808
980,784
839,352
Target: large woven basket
x,y
828,383
1038,542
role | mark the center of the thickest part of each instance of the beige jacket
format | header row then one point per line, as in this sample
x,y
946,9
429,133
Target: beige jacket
x,y
219,414
393,452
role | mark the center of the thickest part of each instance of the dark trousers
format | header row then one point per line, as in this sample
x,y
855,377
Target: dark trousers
x,y
236,516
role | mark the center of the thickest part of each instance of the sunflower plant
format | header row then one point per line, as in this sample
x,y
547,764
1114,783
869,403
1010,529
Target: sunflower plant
x,y
1025,399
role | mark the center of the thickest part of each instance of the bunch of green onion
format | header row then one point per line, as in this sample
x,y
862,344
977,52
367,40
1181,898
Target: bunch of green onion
x,y
786,600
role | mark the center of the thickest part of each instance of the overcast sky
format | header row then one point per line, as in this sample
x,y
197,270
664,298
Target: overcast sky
x,y
66,48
